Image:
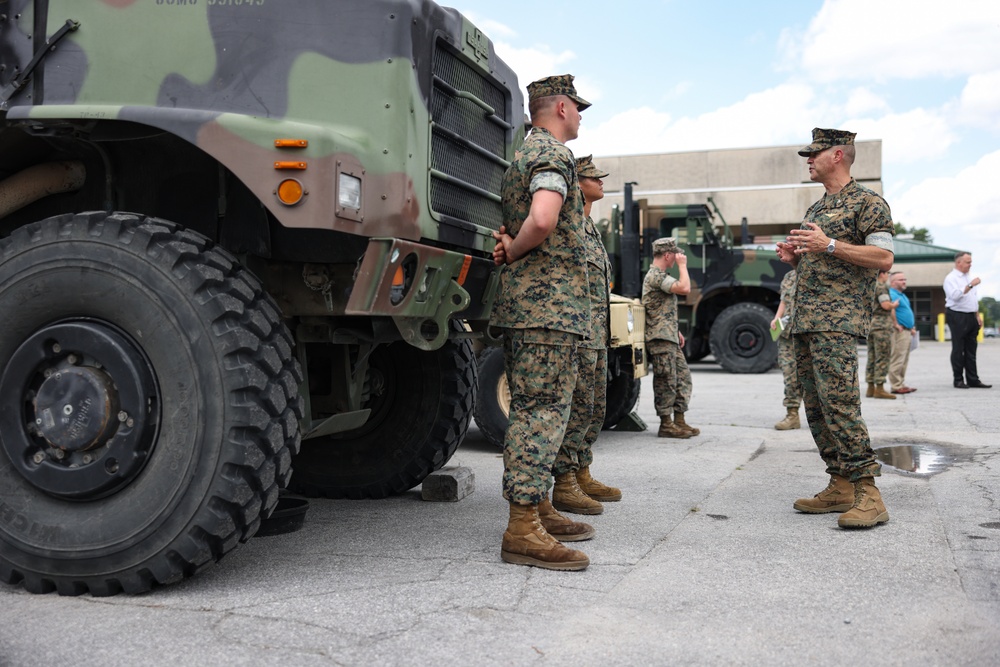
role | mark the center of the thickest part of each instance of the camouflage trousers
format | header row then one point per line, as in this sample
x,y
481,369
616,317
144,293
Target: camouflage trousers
x,y
827,364
541,368
879,349
586,419
786,362
671,377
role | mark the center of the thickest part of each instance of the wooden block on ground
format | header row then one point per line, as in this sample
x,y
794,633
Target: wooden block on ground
x,y
448,484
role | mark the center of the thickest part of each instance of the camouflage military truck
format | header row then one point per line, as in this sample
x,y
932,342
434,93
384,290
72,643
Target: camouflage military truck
x,y
626,365
236,237
734,291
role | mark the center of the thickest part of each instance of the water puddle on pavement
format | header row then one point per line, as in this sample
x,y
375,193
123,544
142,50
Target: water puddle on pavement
x,y
922,459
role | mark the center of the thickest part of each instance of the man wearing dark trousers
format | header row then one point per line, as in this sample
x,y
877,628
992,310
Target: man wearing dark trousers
x,y
961,313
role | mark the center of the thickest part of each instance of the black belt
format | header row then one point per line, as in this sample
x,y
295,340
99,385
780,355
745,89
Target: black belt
x,y
960,312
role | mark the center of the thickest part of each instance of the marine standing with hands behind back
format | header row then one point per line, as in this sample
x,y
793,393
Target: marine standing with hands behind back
x,y
844,238
575,488
664,341
543,309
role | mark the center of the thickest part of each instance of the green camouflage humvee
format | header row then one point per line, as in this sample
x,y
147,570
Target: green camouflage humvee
x,y
236,236
734,290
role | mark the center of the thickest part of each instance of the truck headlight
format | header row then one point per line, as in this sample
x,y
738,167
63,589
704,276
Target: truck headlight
x,y
630,321
349,191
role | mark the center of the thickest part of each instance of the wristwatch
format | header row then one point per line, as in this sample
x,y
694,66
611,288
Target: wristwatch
x,y
831,246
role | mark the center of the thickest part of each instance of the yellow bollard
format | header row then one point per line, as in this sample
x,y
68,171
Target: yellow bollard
x,y
940,328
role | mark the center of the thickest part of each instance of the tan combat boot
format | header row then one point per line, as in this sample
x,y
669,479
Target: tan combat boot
x,y
683,425
880,392
791,421
567,496
868,509
600,492
525,542
838,496
670,430
871,390
560,527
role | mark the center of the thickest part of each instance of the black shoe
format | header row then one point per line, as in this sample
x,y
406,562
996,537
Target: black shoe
x,y
979,385
960,385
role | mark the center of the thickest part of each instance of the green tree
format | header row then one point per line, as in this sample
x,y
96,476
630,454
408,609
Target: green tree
x,y
919,233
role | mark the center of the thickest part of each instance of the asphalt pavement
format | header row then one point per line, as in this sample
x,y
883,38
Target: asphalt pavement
x,y
703,562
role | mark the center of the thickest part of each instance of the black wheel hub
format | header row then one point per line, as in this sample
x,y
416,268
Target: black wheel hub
x,y
747,340
89,410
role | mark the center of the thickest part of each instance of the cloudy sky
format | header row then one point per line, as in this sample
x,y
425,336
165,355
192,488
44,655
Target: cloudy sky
x,y
678,75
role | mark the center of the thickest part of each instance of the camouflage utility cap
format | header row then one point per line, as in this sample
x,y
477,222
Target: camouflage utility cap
x,y
667,244
585,168
561,84
823,139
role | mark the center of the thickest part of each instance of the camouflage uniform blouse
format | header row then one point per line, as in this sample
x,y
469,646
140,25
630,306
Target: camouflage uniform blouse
x,y
599,273
661,306
547,288
831,294
788,296
881,318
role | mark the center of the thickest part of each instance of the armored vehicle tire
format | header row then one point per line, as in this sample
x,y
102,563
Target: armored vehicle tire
x,y
420,415
741,339
149,404
623,393
493,401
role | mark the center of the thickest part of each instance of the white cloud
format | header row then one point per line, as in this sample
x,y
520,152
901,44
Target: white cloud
x,y
913,136
906,39
980,102
784,114
863,101
535,62
961,212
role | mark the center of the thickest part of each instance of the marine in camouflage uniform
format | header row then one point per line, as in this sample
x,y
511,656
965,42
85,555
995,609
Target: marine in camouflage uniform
x,y
786,355
671,375
543,309
844,237
879,340
575,488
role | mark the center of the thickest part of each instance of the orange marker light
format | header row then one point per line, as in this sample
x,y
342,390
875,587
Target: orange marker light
x,y
290,192
291,143
464,273
290,165
398,279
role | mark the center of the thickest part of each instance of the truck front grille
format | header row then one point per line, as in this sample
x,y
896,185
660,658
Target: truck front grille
x,y
469,114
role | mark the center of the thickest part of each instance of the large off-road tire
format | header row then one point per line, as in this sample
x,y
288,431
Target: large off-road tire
x,y
148,404
421,411
623,394
741,339
493,401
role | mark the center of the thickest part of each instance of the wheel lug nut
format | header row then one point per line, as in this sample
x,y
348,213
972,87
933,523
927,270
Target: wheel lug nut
x,y
86,458
122,416
60,454
57,348
67,409
72,359
38,457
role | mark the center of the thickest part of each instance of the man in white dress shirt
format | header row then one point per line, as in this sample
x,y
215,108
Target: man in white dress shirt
x,y
961,313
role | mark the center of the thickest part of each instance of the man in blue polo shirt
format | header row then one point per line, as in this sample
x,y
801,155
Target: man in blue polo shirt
x,y
902,336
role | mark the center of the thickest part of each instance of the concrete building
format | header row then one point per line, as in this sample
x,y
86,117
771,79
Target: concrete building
x,y
770,187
